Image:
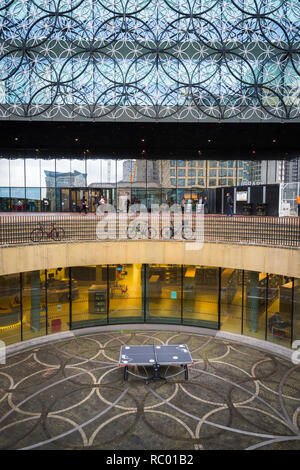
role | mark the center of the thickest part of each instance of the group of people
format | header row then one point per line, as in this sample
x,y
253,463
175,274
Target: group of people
x,y
98,201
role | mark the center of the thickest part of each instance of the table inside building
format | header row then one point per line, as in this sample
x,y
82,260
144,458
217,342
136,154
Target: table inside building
x,y
155,356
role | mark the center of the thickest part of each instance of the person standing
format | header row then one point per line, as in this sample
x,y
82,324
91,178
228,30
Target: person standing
x,y
298,202
96,203
182,204
84,205
205,204
229,204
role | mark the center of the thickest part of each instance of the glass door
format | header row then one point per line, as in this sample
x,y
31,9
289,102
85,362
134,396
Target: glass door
x,y
65,200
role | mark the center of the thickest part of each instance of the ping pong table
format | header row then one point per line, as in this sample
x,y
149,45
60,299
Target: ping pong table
x,y
155,356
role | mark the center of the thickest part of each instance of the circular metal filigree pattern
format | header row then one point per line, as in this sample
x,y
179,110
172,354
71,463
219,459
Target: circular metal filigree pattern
x,y
150,59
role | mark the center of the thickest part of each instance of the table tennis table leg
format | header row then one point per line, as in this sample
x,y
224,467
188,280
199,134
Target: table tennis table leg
x,y
126,373
186,373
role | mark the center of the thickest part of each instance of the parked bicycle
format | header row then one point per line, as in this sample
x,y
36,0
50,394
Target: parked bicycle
x,y
41,232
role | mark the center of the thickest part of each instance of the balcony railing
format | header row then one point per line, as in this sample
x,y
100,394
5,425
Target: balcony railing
x,y
267,231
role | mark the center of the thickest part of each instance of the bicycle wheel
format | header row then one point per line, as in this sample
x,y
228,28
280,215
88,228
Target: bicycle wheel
x,y
55,234
36,235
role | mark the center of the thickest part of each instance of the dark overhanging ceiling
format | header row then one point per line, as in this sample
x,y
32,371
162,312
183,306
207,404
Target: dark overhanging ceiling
x,y
150,140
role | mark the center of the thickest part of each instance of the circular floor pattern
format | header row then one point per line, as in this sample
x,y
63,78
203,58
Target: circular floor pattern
x,y
70,394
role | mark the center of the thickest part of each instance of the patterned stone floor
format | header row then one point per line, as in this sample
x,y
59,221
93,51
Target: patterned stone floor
x,y
70,394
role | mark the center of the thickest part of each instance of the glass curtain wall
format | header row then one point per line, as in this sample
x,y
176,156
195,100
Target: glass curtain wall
x,y
296,310
34,304
280,294
10,308
201,296
261,305
125,283
255,297
164,293
231,298
39,184
89,296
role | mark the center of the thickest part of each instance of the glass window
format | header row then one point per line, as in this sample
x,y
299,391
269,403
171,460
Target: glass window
x,y
192,181
200,172
4,200
108,168
173,172
296,316
4,172
212,182
181,162
48,200
17,170
63,173
125,293
89,293
192,173
93,172
200,163
180,172
181,182
78,173
154,172
200,296
33,196
255,304
164,293
48,173
34,304
231,299
10,309
213,173
279,309
192,163
33,172
173,163
58,297
201,181
173,181
18,202
213,163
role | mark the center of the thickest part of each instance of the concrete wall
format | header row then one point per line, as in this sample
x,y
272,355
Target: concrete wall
x,y
283,261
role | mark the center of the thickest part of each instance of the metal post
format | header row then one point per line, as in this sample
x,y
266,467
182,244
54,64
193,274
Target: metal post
x,y
70,298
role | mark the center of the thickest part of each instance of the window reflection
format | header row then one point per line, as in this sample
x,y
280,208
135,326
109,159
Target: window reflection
x,y
33,172
231,299
164,293
255,285
78,173
200,296
48,173
64,178
4,172
10,309
17,172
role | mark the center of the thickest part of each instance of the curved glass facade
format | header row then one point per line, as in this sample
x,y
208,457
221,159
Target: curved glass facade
x,y
59,184
150,60
262,305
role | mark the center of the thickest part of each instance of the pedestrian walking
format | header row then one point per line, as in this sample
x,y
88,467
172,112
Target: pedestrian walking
x,y
205,204
229,204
